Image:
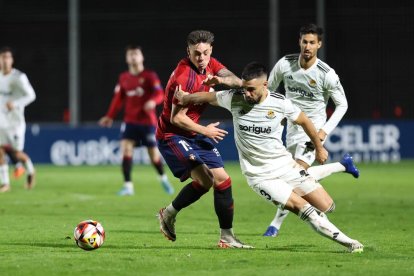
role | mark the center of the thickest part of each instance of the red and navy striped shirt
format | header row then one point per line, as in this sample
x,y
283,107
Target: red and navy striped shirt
x,y
191,80
134,91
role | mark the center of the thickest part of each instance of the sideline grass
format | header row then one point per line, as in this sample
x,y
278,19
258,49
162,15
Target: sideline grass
x,y
36,227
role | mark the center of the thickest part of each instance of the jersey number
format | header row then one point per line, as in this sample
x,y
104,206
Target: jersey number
x,y
266,195
185,145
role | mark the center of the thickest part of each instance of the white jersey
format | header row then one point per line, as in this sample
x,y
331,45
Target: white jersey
x,y
14,87
310,90
257,131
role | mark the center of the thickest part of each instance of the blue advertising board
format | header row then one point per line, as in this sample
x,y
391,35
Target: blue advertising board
x,y
367,141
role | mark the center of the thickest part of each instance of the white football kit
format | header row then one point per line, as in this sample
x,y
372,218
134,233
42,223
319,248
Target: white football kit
x,y
14,87
310,90
268,167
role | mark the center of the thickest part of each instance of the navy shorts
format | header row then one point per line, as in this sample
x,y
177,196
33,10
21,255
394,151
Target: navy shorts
x,y
143,135
183,154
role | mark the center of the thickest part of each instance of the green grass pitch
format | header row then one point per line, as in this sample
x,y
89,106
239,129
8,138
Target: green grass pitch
x,y
36,227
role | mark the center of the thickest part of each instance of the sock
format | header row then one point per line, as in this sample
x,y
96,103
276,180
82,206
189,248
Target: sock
x,y
163,177
223,204
171,210
29,166
129,185
322,171
4,175
323,226
226,233
127,168
279,218
159,167
189,194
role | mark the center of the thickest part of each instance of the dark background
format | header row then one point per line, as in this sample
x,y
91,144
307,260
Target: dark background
x,y
369,44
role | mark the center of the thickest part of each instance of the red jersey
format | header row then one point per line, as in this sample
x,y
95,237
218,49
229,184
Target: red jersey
x,y
134,91
191,80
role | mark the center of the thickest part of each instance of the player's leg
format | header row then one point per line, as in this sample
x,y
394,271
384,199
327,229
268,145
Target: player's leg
x,y
18,166
4,172
280,193
127,149
30,170
224,208
145,136
159,167
346,164
184,162
17,144
223,196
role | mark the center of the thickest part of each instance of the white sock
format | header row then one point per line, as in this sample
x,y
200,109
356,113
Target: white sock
x,y
224,233
322,171
279,218
163,177
18,165
171,210
4,175
129,185
29,166
323,226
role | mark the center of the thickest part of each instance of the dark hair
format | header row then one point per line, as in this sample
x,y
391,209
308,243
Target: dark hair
x,y
6,49
133,47
253,70
200,36
311,29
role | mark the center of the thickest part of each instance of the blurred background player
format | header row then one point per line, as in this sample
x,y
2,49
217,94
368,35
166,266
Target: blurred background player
x,y
309,83
268,167
18,166
187,146
140,90
16,93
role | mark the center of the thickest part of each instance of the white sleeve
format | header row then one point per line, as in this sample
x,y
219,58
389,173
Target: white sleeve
x,y
28,95
292,112
275,76
337,94
224,98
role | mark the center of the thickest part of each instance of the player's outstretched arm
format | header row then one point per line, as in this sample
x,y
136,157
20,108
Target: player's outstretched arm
x,y
185,98
309,128
224,77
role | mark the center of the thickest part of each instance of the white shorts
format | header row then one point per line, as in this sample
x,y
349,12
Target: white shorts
x,y
278,188
13,137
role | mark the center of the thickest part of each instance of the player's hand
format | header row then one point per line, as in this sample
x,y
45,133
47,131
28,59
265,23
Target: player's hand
x,y
322,135
321,155
179,95
105,121
215,133
212,80
10,105
149,105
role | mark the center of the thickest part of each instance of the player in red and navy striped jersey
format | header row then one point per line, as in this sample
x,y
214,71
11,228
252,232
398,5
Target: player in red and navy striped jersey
x,y
188,147
139,91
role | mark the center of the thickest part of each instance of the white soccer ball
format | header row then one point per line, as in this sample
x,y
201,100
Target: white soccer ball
x,y
89,234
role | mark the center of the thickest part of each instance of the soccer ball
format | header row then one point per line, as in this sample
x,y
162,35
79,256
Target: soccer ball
x,y
89,234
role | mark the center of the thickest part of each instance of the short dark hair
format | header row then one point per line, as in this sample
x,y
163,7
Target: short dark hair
x,y
254,70
311,29
133,47
6,49
200,36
